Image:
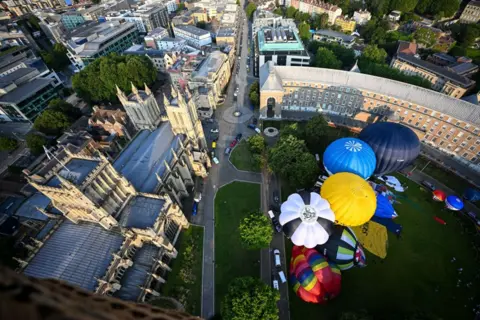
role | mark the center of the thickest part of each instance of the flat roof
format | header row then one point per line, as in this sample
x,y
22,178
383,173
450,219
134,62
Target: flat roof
x,y
78,170
271,78
191,29
225,32
335,34
26,90
76,253
15,75
212,63
141,212
265,44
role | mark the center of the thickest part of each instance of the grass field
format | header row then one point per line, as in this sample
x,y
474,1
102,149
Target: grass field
x,y
232,203
416,275
242,159
184,282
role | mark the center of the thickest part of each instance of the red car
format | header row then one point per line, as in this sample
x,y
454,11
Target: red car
x,y
233,143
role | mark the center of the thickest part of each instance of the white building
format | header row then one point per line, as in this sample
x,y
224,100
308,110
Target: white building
x,y
171,44
194,36
155,35
362,17
128,16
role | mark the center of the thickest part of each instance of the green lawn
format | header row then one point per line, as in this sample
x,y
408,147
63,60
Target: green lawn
x,y
232,203
242,158
448,178
416,275
184,282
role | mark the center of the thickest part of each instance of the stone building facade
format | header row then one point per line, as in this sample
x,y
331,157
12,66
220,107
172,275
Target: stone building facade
x,y
352,99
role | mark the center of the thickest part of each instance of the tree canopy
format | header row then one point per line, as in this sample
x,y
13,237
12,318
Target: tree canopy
x,y
316,132
403,5
325,58
465,34
425,36
67,108
250,9
52,122
254,94
438,8
256,231
374,54
35,143
56,59
375,31
304,31
250,299
256,144
7,143
290,159
290,13
293,129
97,82
320,21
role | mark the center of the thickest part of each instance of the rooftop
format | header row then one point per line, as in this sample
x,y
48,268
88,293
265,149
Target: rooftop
x,y
29,210
136,275
271,78
463,67
225,32
141,212
76,253
17,74
145,156
157,32
335,34
76,171
140,49
212,63
191,29
407,47
25,91
279,39
474,3
10,205
443,72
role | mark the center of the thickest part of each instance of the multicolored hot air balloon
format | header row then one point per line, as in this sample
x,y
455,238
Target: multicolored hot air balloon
x,y
472,195
349,155
313,278
439,195
343,249
351,198
373,237
307,219
454,203
384,208
395,145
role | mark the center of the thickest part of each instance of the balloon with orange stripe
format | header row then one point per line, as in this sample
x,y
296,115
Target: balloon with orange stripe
x,y
313,278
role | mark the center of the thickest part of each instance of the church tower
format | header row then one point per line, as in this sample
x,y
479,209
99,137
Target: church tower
x,y
141,107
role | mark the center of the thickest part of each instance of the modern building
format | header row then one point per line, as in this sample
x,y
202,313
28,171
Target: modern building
x,y
127,16
264,18
91,41
362,17
194,36
282,46
351,99
229,19
226,36
153,17
325,35
346,25
314,7
471,13
183,20
154,36
20,7
72,19
442,79
161,59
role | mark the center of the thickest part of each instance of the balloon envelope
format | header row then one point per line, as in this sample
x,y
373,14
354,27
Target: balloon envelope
x,y
349,155
472,195
313,278
395,145
307,219
351,198
439,195
343,249
384,208
373,237
454,203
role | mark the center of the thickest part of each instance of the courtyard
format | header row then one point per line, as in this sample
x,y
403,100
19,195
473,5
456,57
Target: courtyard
x,y
242,158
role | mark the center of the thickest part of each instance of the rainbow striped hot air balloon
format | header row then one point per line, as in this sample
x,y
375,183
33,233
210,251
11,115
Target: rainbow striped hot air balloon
x,y
313,278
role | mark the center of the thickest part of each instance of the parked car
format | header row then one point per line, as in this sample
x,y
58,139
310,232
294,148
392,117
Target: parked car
x,y
276,224
282,276
194,208
276,196
276,258
233,143
252,126
215,160
214,144
429,185
213,154
258,130
322,178
238,137
214,130
318,184
254,121
227,151
275,284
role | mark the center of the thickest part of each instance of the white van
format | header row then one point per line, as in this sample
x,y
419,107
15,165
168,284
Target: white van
x,y
270,214
317,157
258,130
276,255
282,276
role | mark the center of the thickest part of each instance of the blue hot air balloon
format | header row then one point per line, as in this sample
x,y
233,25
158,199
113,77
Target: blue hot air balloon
x,y
472,195
384,208
349,155
454,203
395,145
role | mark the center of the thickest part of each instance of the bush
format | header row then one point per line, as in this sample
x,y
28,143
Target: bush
x,y
256,231
7,143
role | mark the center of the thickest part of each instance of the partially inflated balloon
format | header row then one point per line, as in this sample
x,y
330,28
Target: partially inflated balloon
x,y
384,208
373,237
351,198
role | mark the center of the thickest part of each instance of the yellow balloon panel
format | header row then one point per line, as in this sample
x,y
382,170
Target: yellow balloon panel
x,y
373,237
351,198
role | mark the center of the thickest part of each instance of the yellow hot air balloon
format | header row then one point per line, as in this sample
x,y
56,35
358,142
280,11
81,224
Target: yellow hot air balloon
x,y
351,198
373,237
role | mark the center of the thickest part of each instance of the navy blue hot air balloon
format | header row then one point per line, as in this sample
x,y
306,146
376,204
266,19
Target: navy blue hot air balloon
x,y
472,195
349,155
395,145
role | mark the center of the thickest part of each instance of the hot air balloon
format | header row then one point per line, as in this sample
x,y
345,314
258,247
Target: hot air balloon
x,y
395,145
384,208
343,249
454,203
373,237
439,195
351,198
472,195
349,155
313,278
307,219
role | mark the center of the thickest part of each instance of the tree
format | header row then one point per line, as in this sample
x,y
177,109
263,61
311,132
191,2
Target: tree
x,y
290,159
304,31
237,2
316,132
290,13
425,36
201,24
256,144
7,143
302,17
465,34
403,5
378,7
66,108
254,94
34,22
374,54
423,6
375,31
293,129
251,7
250,299
180,7
35,143
278,11
52,122
325,58
320,21
443,8
98,81
256,231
